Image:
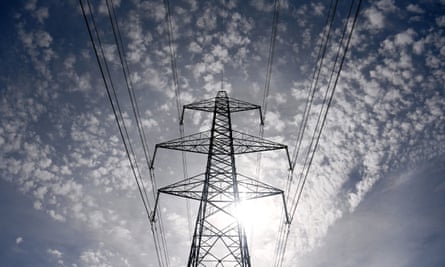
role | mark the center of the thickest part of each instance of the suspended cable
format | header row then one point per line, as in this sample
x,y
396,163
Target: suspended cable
x,y
327,101
322,117
319,62
136,112
314,84
129,86
273,38
111,92
172,56
168,20
312,90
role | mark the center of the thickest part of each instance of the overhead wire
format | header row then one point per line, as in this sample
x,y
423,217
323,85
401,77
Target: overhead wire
x,y
173,65
271,53
112,93
327,101
285,230
129,85
120,120
266,90
311,92
273,38
314,82
130,89
327,26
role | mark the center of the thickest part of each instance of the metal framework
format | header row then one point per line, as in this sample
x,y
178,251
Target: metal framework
x,y
219,238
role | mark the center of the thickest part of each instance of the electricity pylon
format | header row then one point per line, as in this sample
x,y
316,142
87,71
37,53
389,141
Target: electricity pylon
x,y
219,238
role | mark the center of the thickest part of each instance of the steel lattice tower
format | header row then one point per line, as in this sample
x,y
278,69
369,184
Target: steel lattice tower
x,y
219,238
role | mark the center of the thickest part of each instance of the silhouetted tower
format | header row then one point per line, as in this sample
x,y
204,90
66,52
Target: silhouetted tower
x,y
219,238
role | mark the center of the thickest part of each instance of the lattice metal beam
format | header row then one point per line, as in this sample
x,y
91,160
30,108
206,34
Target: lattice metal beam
x,y
200,143
219,238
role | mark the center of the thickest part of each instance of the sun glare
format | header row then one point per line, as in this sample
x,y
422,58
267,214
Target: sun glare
x,y
251,215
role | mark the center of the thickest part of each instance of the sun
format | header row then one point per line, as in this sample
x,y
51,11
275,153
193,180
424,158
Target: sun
x,y
252,216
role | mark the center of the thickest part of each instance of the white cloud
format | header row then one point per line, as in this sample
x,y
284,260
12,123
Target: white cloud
x,y
318,8
43,39
37,205
96,219
418,46
55,253
405,38
207,20
19,240
31,5
440,21
94,258
41,14
386,5
154,10
262,5
56,216
376,18
415,9
274,121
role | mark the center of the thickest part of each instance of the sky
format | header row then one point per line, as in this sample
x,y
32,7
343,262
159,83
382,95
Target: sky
x,y
375,193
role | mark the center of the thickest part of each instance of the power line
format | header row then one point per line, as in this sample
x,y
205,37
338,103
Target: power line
x,y
328,97
129,85
273,38
308,106
279,253
168,19
314,82
111,93
136,112
320,122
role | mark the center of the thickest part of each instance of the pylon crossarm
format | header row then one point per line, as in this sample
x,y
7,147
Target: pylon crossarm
x,y
250,188
256,189
246,143
190,188
235,105
204,105
197,143
242,143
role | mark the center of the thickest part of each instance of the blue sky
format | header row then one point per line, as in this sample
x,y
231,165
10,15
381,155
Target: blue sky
x,y
375,192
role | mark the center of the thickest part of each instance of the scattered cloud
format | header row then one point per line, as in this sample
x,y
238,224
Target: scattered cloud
x,y
61,147
415,9
19,240
55,253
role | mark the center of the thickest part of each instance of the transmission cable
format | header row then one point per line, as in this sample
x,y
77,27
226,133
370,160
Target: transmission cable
x,y
115,106
323,115
118,115
136,112
168,20
273,38
128,82
311,92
